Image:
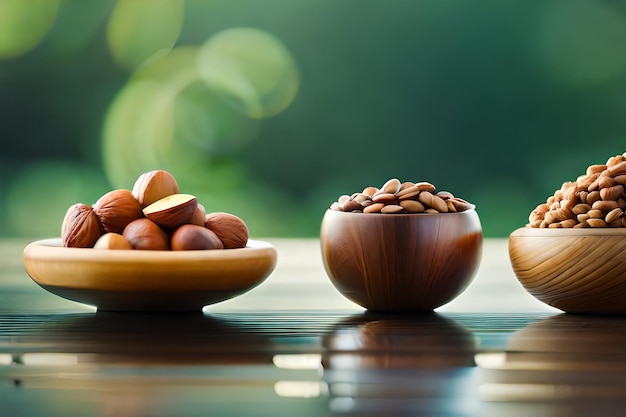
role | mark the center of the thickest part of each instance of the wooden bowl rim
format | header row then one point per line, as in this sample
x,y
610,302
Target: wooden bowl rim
x,y
392,215
568,232
138,280
53,248
48,262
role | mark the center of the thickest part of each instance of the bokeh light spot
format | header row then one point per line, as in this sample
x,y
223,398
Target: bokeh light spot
x,y
142,29
169,116
23,24
77,24
251,69
137,132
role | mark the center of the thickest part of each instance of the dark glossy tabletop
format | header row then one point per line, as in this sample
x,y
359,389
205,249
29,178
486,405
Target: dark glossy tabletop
x,y
295,347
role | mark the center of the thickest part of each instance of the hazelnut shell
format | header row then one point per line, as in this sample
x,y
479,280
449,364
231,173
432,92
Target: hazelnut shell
x,y
144,234
116,209
81,227
112,241
154,185
194,237
231,230
172,211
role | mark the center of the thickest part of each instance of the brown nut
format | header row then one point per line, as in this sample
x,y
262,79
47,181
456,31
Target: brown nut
x,y
392,186
145,234
116,209
81,227
154,185
231,230
595,199
199,216
112,241
172,211
194,237
420,197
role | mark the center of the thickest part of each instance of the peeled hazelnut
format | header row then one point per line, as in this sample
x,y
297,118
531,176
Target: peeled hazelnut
x,y
231,230
116,209
172,211
112,241
154,185
194,237
81,227
147,235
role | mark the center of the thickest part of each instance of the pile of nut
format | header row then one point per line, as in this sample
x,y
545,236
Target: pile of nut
x,y
153,216
401,197
595,199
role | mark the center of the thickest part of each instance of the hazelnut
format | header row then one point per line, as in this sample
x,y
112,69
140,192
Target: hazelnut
x,y
231,230
116,209
81,227
172,211
147,235
194,237
199,216
154,185
112,241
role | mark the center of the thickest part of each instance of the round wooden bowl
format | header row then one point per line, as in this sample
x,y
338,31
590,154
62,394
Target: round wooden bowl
x,y
574,270
137,280
401,263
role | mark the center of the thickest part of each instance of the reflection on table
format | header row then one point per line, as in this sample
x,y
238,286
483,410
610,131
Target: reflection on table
x,y
567,365
390,365
294,346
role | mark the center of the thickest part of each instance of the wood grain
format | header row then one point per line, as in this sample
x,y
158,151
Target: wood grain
x,y
401,262
575,270
147,280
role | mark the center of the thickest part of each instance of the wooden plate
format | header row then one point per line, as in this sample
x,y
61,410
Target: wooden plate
x,y
135,280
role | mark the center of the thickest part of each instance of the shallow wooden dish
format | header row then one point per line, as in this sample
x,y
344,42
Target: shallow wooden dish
x,y
135,280
574,270
401,263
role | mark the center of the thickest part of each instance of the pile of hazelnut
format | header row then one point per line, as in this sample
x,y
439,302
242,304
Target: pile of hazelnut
x,y
153,216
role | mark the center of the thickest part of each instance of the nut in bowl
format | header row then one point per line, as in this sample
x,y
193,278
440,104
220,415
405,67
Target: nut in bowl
x,y
152,249
148,280
399,261
571,253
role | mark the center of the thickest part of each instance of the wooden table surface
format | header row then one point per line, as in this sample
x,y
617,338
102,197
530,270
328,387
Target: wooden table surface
x,y
294,346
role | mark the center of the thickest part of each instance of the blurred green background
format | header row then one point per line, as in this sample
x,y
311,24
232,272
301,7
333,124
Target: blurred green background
x,y
272,109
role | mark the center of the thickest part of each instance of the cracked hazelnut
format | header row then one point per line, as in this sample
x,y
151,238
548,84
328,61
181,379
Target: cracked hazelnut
x,y
154,185
172,211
